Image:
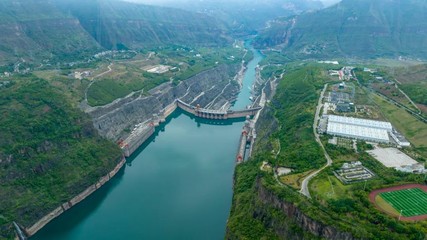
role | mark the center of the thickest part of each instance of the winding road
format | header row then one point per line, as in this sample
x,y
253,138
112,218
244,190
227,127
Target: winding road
x,y
304,185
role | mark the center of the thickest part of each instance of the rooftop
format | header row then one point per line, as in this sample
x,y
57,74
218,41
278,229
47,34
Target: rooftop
x,y
359,132
360,122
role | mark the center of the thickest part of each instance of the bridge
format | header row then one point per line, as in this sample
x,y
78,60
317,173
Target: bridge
x,y
216,114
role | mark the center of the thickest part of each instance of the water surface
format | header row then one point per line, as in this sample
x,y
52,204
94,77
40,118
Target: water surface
x,y
178,185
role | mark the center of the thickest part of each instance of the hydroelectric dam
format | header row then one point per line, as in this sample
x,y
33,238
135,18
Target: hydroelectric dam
x,y
144,131
178,183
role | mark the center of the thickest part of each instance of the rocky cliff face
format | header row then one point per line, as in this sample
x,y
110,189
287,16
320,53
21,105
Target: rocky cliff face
x,y
213,89
296,216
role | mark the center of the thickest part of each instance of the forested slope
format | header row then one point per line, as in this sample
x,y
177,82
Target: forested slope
x,y
49,152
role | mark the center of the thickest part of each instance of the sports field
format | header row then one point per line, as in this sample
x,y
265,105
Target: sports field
x,y
411,202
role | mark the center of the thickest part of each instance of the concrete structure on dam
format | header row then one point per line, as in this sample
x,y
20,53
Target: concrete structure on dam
x,y
216,114
144,131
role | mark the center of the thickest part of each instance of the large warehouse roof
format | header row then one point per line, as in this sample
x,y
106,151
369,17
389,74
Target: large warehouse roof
x,y
360,122
359,132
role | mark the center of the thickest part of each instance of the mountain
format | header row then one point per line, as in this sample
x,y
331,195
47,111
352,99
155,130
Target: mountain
x,y
117,24
242,16
363,28
43,29
31,28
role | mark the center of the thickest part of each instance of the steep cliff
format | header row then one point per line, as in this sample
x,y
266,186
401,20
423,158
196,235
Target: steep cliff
x,y
295,216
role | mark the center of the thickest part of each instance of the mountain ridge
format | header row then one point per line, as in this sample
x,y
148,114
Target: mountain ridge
x,y
41,30
360,29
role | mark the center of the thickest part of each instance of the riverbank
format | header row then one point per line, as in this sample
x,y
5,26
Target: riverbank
x,y
150,128
72,202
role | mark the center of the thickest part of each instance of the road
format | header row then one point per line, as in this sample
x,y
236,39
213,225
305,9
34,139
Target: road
x,y
97,76
398,104
304,185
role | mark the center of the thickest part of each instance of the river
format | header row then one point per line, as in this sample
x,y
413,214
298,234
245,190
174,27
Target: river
x,y
178,185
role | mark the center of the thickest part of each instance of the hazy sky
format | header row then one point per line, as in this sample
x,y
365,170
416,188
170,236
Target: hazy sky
x,y
156,2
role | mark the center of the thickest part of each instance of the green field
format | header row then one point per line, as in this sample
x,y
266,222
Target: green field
x,y
412,202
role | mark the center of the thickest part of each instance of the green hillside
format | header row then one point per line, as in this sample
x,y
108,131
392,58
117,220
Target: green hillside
x,y
241,16
49,152
37,30
123,25
362,29
70,30
267,206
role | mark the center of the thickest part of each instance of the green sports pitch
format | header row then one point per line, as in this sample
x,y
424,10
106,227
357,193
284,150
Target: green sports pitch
x,y
411,202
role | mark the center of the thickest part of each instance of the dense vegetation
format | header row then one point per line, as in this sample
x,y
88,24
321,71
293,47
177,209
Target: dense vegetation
x,y
49,152
124,25
361,29
294,103
69,30
345,207
293,107
36,29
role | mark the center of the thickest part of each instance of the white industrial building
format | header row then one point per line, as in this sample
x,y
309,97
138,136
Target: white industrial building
x,y
361,122
363,129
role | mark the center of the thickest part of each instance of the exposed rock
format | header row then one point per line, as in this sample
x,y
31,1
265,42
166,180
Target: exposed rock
x,y
296,216
216,85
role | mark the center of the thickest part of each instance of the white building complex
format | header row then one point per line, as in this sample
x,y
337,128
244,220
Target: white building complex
x,y
363,129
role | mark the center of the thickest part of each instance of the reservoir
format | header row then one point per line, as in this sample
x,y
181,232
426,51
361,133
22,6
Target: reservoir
x,y
178,185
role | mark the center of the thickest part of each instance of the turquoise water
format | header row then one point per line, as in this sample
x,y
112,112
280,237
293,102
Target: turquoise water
x,y
178,185
243,98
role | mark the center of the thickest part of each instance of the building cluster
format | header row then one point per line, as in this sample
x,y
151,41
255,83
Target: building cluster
x,y
344,73
340,101
353,172
81,75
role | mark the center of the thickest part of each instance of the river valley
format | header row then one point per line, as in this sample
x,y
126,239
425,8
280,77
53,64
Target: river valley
x,y
178,185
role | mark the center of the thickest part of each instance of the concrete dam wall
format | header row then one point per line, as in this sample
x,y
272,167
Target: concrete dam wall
x,y
215,87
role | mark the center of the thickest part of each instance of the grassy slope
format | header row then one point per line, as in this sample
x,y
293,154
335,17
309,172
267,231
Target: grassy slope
x,y
49,152
414,82
411,127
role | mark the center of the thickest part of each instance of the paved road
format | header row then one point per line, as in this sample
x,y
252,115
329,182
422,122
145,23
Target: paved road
x,y
304,185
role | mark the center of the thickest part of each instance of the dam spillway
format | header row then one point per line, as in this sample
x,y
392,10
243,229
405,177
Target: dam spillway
x,y
143,132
